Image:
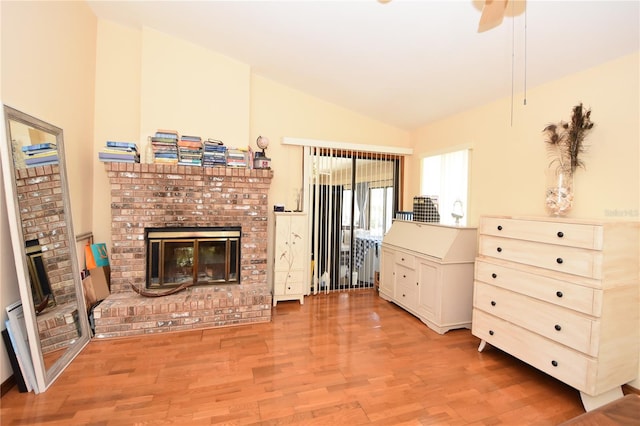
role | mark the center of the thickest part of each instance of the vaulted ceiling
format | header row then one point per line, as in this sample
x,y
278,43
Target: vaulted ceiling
x,y
404,62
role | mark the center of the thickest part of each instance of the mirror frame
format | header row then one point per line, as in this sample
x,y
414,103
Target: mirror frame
x,y
44,378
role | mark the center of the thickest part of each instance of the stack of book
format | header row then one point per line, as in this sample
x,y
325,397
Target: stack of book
x,y
237,157
40,154
190,150
120,152
215,153
165,147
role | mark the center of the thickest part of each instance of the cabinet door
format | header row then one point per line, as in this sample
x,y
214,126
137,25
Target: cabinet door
x,y
290,242
282,249
387,271
428,294
297,240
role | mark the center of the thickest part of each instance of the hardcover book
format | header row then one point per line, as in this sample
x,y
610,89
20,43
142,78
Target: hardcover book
x,y
128,145
45,145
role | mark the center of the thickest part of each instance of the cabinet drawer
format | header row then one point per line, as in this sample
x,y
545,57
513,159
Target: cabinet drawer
x,y
561,293
563,363
554,232
290,287
556,323
407,294
406,260
289,276
405,276
586,263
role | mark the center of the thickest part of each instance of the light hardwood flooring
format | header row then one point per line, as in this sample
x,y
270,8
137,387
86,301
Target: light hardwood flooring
x,y
339,359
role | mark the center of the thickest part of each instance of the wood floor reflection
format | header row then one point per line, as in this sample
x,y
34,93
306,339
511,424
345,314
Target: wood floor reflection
x,y
344,358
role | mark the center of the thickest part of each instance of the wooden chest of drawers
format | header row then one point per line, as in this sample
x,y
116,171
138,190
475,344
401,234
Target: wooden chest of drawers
x,y
562,296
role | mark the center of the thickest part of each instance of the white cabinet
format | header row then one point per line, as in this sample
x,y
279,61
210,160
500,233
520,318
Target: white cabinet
x,y
562,295
427,269
291,257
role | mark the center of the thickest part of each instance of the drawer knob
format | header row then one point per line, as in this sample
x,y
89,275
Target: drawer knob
x,y
402,259
494,275
404,276
499,227
560,234
491,332
557,327
493,303
559,294
499,249
404,295
559,260
554,363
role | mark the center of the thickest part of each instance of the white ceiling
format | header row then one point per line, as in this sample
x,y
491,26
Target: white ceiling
x,y
405,62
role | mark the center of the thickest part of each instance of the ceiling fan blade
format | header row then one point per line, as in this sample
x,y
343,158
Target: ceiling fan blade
x,y
492,14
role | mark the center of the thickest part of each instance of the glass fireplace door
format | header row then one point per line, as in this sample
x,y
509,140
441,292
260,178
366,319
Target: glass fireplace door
x,y
175,261
217,261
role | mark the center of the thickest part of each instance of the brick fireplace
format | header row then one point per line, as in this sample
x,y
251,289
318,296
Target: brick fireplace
x,y
154,196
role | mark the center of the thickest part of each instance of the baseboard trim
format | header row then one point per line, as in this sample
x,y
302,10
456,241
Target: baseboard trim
x,y
7,385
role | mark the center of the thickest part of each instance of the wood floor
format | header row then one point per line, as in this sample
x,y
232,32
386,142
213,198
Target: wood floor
x,y
344,358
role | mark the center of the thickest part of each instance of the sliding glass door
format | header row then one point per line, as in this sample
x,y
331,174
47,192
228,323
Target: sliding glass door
x,y
354,198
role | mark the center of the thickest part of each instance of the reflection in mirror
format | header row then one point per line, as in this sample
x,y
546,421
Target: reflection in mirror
x,y
44,246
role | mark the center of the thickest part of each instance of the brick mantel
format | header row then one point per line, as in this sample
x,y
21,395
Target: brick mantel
x,y
155,195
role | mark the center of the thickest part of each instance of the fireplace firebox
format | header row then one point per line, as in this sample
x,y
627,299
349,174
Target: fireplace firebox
x,y
200,256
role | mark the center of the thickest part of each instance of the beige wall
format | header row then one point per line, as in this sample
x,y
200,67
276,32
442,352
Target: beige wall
x,y
135,94
48,68
278,111
508,162
146,81
215,97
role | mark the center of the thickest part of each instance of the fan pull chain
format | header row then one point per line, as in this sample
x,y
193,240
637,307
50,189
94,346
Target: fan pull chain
x,y
513,48
525,56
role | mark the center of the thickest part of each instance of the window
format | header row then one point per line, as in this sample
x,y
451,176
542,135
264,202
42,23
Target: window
x,y
346,206
445,179
380,210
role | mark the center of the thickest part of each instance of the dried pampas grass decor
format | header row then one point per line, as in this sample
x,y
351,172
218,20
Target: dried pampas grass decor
x,y
565,141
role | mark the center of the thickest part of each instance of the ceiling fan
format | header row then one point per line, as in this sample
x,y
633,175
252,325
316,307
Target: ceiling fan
x,y
494,11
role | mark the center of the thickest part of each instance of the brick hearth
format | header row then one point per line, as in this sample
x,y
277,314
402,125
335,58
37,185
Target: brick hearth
x,y
154,195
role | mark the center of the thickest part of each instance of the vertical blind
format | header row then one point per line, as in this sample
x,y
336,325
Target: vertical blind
x,y
352,199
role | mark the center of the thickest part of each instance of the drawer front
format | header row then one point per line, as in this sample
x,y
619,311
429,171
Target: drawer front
x,y
558,324
553,358
586,263
295,275
291,287
554,232
405,276
407,294
406,260
561,293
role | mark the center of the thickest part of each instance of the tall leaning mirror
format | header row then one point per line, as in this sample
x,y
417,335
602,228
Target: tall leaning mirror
x,y
44,247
